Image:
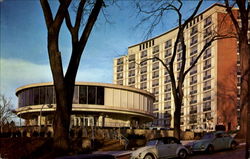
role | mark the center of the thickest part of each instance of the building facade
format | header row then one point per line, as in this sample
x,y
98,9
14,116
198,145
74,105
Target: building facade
x,y
210,88
94,104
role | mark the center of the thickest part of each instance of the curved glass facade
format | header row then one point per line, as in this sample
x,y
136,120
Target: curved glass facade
x,y
46,95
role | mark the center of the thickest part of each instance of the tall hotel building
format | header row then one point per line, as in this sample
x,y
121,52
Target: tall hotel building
x,y
210,88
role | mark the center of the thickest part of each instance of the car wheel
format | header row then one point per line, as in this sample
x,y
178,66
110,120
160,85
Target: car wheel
x,y
182,154
210,149
233,145
148,156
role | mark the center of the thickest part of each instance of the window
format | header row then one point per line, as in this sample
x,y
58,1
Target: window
x,y
156,90
207,96
144,54
193,80
193,50
193,89
179,56
143,77
155,49
207,32
131,65
155,74
207,53
36,96
131,80
168,44
193,110
207,75
83,97
168,52
167,96
179,47
155,66
206,85
157,56
91,94
194,40
207,21
207,64
143,69
194,30
167,88
143,85
167,61
143,63
167,79
178,66
100,95
131,58
119,75
131,73
120,68
120,61
193,70
193,99
156,99
120,82
192,59
155,82
193,119
207,106
167,105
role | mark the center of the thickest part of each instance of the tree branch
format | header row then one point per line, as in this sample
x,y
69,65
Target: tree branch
x,y
47,13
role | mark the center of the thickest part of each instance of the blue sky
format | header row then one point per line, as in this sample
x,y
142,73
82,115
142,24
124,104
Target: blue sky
x,y
23,35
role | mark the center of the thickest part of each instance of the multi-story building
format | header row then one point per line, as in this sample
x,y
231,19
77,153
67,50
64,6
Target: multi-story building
x,y
210,88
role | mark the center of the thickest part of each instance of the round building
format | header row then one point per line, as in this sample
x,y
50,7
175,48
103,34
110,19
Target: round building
x,y
99,104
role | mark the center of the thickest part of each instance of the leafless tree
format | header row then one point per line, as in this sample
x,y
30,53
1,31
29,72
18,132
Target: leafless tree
x,y
242,27
6,108
156,13
64,83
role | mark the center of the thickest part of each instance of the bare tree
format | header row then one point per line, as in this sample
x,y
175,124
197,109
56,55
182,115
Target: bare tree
x,y
156,13
6,108
64,83
242,32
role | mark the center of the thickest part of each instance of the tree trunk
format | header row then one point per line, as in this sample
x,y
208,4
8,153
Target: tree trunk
x,y
244,94
177,121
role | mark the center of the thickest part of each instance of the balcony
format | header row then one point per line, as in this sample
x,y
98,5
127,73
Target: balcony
x,y
167,89
167,98
155,76
193,32
193,121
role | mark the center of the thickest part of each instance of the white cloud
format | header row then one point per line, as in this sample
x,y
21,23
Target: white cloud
x,y
15,73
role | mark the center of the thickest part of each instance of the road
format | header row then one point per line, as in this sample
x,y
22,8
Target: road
x,y
228,154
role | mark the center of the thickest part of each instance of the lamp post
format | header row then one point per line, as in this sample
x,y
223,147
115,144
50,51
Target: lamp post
x,y
49,106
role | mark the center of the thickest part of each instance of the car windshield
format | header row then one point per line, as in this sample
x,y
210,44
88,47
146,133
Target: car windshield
x,y
151,143
208,136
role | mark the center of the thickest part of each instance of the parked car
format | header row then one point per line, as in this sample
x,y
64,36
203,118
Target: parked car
x,y
165,147
213,141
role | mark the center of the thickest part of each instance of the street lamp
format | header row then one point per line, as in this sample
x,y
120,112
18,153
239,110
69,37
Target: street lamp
x,y
49,106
